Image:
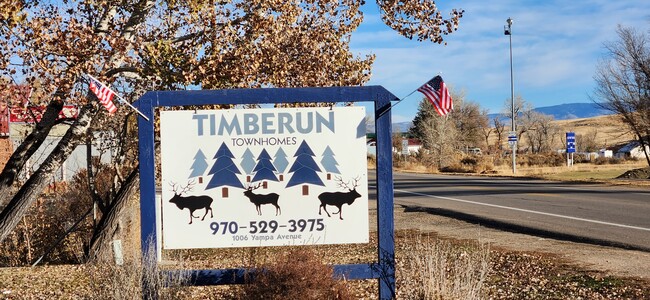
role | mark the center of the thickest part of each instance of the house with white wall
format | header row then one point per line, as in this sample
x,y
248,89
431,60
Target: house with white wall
x,y
632,150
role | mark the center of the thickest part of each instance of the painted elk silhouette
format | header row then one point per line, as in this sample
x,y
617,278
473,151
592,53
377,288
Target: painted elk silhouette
x,y
339,198
191,202
259,199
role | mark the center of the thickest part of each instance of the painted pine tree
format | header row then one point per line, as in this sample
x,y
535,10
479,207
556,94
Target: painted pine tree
x,y
329,163
304,169
224,171
248,163
280,162
264,170
199,166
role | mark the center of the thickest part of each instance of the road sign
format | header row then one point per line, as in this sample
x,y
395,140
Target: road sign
x,y
512,139
570,142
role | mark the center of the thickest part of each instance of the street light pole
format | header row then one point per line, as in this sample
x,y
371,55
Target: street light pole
x,y
508,32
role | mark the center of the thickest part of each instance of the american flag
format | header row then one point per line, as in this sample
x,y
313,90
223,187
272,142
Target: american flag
x,y
436,91
104,94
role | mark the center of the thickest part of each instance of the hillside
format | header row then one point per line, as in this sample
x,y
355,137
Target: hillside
x,y
573,111
609,130
569,111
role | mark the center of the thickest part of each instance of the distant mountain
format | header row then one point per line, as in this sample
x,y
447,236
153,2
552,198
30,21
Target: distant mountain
x,y
559,112
402,126
574,111
570,111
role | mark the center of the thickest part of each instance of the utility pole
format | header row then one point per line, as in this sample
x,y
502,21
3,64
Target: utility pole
x,y
508,31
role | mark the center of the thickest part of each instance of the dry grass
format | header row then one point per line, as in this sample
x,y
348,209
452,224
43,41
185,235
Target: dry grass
x,y
609,130
587,172
439,269
427,268
110,281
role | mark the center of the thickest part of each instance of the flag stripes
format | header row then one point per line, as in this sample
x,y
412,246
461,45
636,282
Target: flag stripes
x,y
104,94
436,92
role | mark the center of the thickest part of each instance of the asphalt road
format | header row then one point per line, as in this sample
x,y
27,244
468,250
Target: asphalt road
x,y
591,213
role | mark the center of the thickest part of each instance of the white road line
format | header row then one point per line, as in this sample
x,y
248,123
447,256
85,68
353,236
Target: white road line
x,y
590,190
526,184
526,210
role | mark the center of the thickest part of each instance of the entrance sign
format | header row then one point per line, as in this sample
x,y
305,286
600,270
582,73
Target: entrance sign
x,y
383,269
263,177
570,147
570,142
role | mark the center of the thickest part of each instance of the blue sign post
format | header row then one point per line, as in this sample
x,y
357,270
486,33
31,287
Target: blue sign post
x,y
570,147
570,142
383,269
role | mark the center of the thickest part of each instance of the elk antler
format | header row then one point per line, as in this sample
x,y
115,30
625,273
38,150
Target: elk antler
x,y
342,184
356,182
187,188
250,187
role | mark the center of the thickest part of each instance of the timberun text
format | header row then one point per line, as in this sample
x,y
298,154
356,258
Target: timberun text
x,y
264,123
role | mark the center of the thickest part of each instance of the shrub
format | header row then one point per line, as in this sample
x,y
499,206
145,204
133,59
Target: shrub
x,y
444,270
470,164
110,281
455,168
543,160
297,274
469,160
607,161
49,218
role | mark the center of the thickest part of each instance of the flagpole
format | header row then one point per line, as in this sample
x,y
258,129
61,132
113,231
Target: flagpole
x,y
119,97
398,101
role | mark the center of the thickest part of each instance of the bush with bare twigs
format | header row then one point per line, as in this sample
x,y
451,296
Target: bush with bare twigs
x,y
110,281
296,274
442,270
48,219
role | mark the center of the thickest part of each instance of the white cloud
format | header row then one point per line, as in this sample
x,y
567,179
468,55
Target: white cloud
x,y
556,46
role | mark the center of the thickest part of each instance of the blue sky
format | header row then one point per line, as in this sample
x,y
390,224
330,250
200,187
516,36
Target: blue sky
x,y
556,47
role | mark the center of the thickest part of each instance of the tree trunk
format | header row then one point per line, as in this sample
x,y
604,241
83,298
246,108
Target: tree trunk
x,y
644,148
30,191
27,148
99,247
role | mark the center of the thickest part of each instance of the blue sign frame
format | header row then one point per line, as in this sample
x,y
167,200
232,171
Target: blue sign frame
x,y
383,269
570,142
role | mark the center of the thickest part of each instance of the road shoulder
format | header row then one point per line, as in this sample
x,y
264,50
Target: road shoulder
x,y
610,260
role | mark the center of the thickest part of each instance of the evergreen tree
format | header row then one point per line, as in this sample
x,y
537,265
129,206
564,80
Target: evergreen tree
x,y
248,161
200,164
224,170
328,162
280,161
264,170
304,168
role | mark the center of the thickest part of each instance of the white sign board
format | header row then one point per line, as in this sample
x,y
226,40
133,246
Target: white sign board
x,y
263,177
405,147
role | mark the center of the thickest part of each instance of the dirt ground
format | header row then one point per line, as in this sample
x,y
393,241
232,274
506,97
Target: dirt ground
x,y
609,260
